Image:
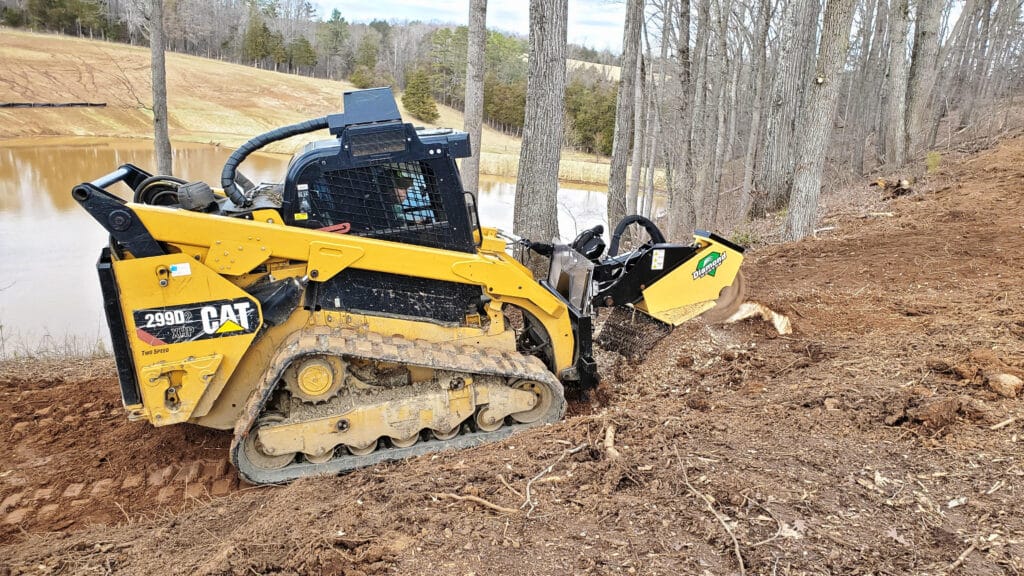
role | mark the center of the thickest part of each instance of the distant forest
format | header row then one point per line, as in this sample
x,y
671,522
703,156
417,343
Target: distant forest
x,y
289,36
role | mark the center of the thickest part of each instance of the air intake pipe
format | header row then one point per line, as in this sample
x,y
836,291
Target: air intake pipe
x,y
652,230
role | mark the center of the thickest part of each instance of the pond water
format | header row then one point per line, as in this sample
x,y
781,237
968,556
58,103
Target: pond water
x,y
49,293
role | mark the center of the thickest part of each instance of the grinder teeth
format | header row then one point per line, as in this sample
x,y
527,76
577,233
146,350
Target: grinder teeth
x,y
631,333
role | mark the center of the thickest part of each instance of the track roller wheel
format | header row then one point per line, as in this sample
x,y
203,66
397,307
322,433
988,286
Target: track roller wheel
x,y
544,399
405,442
362,451
441,435
485,422
320,458
254,449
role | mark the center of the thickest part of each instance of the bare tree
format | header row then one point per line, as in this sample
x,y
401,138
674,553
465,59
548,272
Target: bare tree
x,y
815,122
617,194
759,65
775,177
536,210
161,140
864,100
896,86
923,71
640,101
474,113
682,201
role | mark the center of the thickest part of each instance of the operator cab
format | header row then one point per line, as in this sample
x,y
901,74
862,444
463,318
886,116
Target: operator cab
x,y
381,178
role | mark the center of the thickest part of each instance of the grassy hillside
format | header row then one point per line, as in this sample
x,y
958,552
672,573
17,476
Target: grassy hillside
x,y
210,101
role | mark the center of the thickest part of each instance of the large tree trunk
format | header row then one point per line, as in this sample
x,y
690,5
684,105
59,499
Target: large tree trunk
x,y
759,62
682,216
775,176
640,99
722,79
896,87
161,141
701,130
617,196
865,93
922,72
536,206
815,122
474,114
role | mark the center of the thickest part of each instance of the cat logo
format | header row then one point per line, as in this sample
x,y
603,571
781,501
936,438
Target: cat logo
x,y
199,321
226,318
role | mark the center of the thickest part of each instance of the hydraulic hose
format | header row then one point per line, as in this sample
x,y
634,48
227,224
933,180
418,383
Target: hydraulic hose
x,y
651,227
227,176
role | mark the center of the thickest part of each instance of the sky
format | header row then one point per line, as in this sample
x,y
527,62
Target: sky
x,y
592,23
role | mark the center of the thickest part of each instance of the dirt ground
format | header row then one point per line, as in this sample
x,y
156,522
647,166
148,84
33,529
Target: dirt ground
x,y
882,437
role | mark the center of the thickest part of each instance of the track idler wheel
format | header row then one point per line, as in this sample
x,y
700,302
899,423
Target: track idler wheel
x,y
544,399
442,435
320,458
254,450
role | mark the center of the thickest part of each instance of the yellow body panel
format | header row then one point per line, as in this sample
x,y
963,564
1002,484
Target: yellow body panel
x,y
692,288
154,287
177,385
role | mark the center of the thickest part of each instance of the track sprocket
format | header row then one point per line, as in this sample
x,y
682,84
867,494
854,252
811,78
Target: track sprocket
x,y
315,378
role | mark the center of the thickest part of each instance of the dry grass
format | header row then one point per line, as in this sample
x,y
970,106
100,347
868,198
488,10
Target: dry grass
x,y
610,72
211,101
15,344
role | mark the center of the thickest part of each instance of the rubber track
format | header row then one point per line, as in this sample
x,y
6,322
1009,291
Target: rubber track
x,y
373,346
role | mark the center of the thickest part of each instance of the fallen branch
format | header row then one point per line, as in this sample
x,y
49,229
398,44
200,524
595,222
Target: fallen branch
x,y
718,516
769,512
476,500
509,486
1003,424
963,556
529,485
609,442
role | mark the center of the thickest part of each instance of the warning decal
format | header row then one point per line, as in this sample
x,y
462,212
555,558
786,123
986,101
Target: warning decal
x,y
190,322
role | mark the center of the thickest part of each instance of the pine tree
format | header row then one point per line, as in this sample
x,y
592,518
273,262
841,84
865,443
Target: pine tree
x,y
301,53
417,99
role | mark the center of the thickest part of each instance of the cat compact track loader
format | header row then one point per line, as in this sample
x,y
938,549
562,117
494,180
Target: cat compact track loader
x,y
358,312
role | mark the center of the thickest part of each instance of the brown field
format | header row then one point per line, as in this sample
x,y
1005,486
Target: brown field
x,y
210,101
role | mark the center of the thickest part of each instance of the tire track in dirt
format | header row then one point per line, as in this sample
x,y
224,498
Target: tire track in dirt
x,y
66,464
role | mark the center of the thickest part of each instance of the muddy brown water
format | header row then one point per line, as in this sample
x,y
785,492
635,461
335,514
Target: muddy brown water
x,y
49,295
